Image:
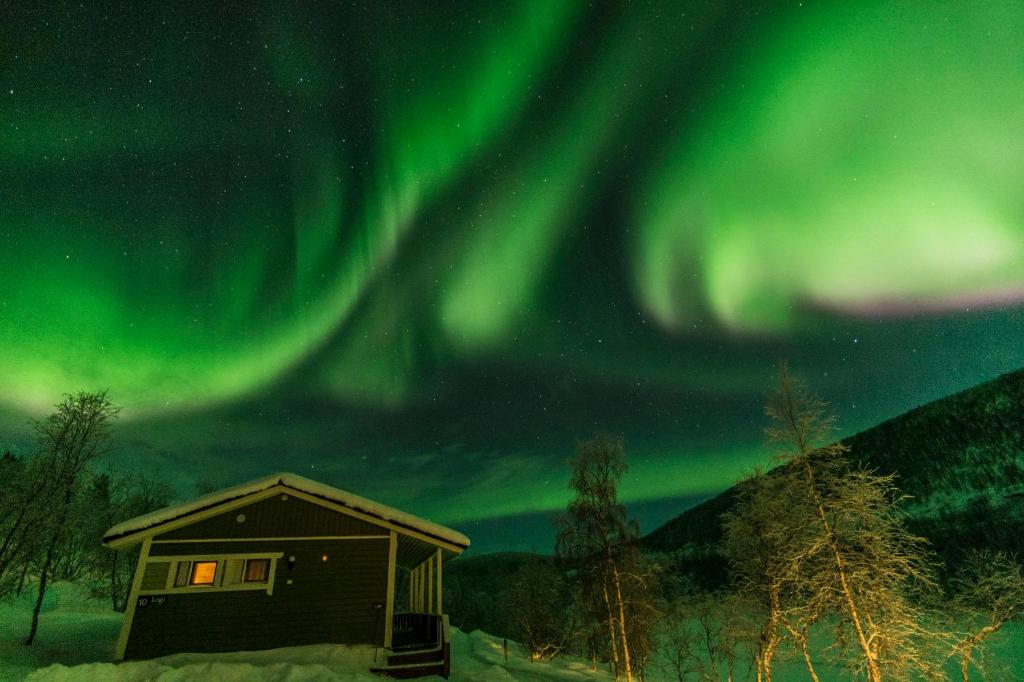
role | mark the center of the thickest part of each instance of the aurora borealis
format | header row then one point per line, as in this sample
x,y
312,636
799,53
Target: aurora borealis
x,y
418,249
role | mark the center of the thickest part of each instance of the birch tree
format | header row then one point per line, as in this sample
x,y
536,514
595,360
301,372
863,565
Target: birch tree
x,y
769,542
860,560
989,593
593,531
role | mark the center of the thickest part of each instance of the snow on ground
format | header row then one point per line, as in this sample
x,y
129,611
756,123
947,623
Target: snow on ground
x,y
476,657
72,629
77,635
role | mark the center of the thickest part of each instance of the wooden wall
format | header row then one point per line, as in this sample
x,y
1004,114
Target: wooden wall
x,y
341,600
276,517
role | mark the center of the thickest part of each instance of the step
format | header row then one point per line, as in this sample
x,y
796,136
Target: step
x,y
420,656
406,672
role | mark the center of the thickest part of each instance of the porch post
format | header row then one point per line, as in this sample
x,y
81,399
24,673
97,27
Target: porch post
x,y
440,608
133,598
389,609
430,585
423,588
419,589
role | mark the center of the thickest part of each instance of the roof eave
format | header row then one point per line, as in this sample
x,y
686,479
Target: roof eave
x,y
121,541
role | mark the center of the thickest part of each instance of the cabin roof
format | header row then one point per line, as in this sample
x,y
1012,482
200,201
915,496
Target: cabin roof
x,y
140,525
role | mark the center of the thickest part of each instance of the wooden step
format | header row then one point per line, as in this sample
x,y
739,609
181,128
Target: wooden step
x,y
406,672
421,656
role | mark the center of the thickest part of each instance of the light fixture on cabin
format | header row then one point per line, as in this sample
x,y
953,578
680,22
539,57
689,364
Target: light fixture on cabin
x,y
323,558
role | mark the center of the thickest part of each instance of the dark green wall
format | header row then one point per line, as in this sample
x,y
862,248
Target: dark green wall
x,y
341,600
328,601
274,517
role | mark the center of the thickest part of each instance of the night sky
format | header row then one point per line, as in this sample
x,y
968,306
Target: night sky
x,y
419,249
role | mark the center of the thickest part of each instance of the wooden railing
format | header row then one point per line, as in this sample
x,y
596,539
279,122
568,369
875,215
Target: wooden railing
x,y
420,646
415,630
446,646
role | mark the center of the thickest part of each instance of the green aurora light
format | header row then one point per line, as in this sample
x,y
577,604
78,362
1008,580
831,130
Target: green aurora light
x,y
452,239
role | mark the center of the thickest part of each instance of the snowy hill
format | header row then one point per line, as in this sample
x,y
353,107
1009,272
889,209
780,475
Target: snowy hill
x,y
960,459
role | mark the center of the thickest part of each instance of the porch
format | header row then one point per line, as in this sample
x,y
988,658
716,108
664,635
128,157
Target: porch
x,y
416,640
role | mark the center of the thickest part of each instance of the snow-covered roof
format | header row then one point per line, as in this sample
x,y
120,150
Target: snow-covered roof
x,y
296,482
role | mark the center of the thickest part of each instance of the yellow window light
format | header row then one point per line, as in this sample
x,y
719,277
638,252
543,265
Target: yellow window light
x,y
203,572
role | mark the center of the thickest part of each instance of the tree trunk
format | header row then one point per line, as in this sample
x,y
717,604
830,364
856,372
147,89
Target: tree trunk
x,y
54,543
21,578
874,672
39,597
611,623
965,664
622,621
807,659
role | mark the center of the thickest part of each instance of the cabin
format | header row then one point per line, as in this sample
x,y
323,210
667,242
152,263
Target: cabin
x,y
287,561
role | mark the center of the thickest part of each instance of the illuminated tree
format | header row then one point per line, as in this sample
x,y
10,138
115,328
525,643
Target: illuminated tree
x,y
594,532
989,593
857,558
769,542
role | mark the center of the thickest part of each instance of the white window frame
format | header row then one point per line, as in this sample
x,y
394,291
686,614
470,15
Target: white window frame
x,y
218,580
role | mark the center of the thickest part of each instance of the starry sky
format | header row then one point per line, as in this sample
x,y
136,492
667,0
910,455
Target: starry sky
x,y
419,249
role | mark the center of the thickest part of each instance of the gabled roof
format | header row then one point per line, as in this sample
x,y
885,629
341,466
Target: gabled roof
x,y
148,524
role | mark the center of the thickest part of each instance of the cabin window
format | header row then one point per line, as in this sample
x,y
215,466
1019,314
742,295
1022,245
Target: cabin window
x,y
216,573
203,573
195,574
257,570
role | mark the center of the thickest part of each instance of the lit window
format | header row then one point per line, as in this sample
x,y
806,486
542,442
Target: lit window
x,y
203,572
257,570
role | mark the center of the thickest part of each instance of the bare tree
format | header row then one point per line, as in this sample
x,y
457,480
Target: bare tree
x,y
678,645
769,544
640,579
989,593
76,433
700,635
592,532
106,499
23,510
860,560
539,600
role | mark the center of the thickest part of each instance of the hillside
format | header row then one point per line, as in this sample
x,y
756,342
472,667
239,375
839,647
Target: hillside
x,y
960,459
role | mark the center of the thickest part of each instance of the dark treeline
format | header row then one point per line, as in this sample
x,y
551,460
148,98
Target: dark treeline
x,y
55,506
815,562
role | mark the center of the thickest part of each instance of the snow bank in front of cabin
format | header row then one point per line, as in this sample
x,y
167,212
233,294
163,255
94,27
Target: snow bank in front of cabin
x,y
77,635
293,664
476,657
